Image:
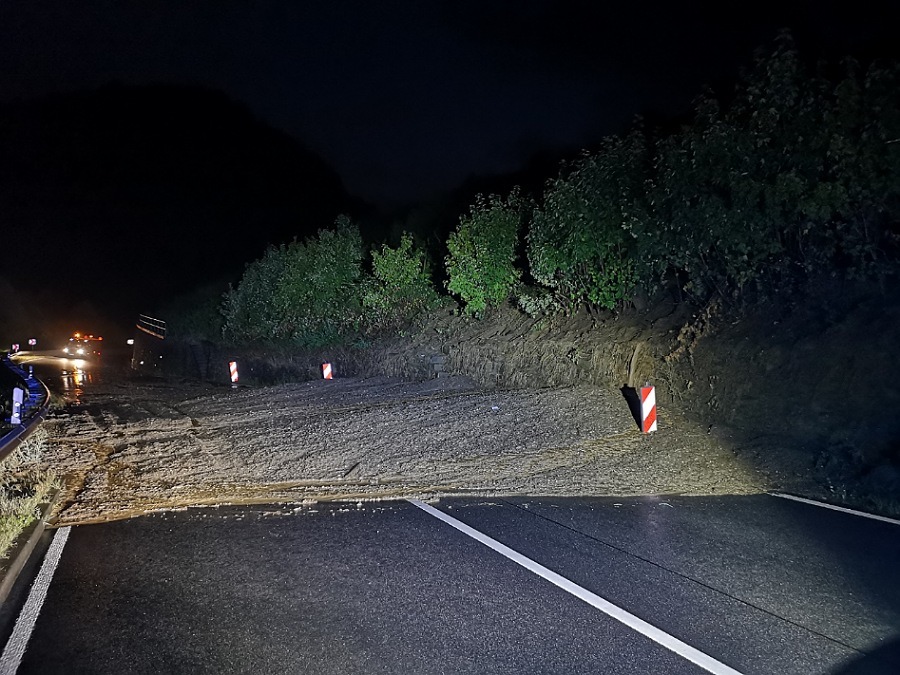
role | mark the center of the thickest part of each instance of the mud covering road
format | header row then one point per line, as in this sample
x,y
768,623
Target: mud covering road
x,y
129,447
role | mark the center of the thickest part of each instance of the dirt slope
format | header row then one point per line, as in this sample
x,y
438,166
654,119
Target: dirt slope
x,y
804,389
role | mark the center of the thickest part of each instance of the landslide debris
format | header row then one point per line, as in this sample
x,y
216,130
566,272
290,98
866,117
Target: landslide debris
x,y
136,446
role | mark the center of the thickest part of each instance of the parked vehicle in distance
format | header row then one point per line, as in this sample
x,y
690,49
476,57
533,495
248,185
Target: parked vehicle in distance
x,y
80,345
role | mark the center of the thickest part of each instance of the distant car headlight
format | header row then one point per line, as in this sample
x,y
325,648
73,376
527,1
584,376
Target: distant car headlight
x,y
65,350
81,350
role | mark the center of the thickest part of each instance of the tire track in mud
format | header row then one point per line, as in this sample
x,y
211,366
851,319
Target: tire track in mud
x,y
76,480
106,472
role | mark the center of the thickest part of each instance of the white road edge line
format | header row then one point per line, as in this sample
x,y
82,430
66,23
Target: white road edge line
x,y
842,509
670,642
15,647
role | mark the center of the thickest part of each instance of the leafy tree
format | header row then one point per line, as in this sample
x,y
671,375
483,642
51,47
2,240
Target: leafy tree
x,y
710,227
858,203
777,118
482,252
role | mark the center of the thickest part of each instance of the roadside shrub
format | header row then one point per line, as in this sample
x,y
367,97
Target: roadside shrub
x,y
307,293
857,202
249,309
579,240
400,287
798,177
482,252
716,221
536,301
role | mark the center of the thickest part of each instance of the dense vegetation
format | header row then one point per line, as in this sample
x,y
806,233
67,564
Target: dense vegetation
x,y
795,176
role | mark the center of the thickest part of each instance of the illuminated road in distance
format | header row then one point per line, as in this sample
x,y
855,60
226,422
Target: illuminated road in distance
x,y
62,373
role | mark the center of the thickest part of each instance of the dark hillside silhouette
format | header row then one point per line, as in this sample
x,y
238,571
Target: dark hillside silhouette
x,y
179,183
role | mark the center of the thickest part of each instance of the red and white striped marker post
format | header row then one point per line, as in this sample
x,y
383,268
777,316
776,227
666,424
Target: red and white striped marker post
x,y
648,409
232,366
326,371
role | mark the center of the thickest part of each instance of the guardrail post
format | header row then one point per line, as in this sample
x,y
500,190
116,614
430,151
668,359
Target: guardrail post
x,y
31,407
18,397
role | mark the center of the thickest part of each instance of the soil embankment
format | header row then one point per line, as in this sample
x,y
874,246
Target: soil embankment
x,y
803,389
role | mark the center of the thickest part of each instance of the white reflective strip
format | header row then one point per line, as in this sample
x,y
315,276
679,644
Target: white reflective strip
x,y
842,509
15,647
670,642
648,404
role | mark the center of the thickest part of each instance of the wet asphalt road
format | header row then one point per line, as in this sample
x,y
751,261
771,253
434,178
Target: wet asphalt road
x,y
759,584
66,375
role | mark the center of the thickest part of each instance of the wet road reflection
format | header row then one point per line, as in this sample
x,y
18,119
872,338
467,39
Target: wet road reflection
x,y
73,381
62,375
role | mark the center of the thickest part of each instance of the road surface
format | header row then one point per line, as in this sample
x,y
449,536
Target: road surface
x,y
752,584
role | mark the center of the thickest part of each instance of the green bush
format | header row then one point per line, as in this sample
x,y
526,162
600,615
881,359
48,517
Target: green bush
x,y
798,177
715,220
306,293
482,252
536,301
579,240
250,309
400,287
856,205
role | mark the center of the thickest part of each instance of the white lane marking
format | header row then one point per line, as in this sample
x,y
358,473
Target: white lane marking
x,y
842,509
15,647
670,642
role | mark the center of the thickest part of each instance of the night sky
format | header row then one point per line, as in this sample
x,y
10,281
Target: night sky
x,y
407,99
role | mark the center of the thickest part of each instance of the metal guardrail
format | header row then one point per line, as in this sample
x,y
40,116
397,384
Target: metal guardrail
x,y
151,326
33,410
